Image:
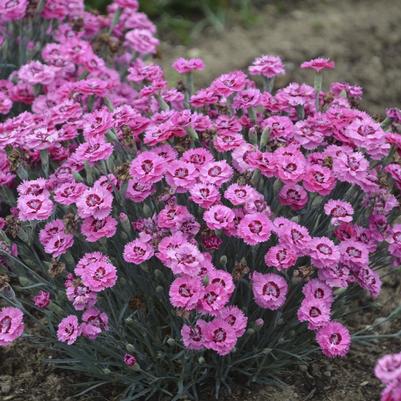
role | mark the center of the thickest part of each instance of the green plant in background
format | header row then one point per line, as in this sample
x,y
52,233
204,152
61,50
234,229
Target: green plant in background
x,y
185,19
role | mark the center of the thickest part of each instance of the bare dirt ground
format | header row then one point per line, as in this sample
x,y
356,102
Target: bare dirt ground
x,y
364,38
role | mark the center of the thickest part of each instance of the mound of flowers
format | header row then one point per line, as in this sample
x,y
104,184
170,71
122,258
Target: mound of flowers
x,y
164,238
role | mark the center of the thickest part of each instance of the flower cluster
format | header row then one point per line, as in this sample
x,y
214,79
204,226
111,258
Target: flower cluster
x,y
202,212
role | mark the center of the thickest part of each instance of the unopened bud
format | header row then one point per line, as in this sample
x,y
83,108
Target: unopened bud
x,y
171,341
159,289
106,371
250,332
201,360
130,348
223,261
147,212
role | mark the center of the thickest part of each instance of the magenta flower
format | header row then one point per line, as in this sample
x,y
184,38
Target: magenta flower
x,y
93,229
193,337
269,290
323,252
317,289
13,10
388,368
147,168
318,64
219,217
98,276
281,257
220,336
235,318
315,312
69,330
34,207
185,66
185,292
11,325
334,339
268,66
254,228
95,202
42,299
339,211
130,360
93,323
294,196
138,251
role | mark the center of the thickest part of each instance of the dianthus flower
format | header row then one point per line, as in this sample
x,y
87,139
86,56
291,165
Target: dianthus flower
x,y
319,179
254,228
235,318
98,276
214,298
205,195
95,202
193,337
281,257
269,290
94,322
11,325
141,41
317,289
334,339
220,336
34,207
181,175
267,66
315,312
216,173
218,217
323,252
55,240
339,211
138,251
13,10
185,292
293,196
130,360
185,66
69,330
354,254
318,64
147,168
95,229
42,299
69,192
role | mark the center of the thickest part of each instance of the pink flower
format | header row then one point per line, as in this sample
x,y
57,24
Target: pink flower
x,y
194,337
98,276
388,368
334,339
13,10
392,392
55,240
294,196
137,191
147,168
79,295
68,193
235,318
214,298
197,156
339,211
37,73
317,289
314,311
220,336
130,360
369,280
293,234
323,252
184,66
318,64
319,179
11,325
42,299
185,258
34,207
238,194
216,173
95,202
96,229
269,290
93,323
205,195
181,175
185,292
69,330
219,217
93,150
221,278
254,228
267,66
138,251
354,254
229,83
141,41
290,168
281,257
87,259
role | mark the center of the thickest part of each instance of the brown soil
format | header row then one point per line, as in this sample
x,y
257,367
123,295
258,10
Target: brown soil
x,y
364,38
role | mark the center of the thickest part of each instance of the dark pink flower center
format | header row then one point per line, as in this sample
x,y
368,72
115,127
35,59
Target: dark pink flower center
x,y
35,204
271,289
185,291
324,249
314,312
219,335
353,252
215,171
147,166
335,338
255,227
5,324
93,200
319,293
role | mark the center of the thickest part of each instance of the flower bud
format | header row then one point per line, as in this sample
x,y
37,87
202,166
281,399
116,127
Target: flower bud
x,y
130,348
147,212
250,332
223,261
201,360
159,289
171,342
